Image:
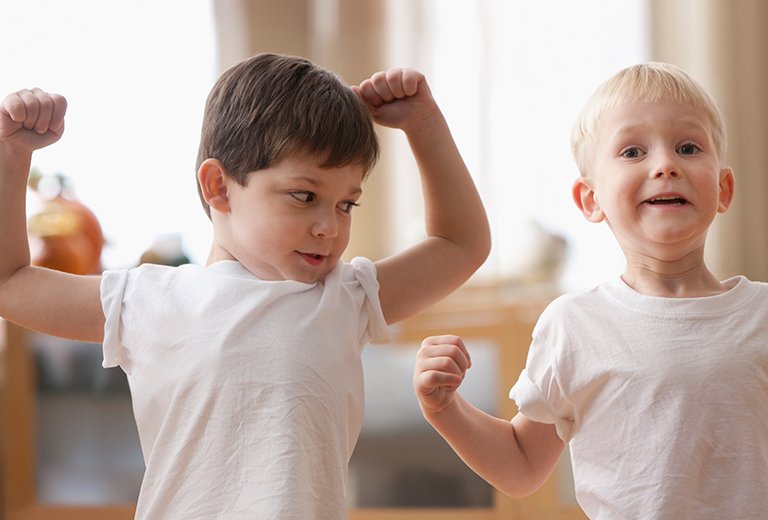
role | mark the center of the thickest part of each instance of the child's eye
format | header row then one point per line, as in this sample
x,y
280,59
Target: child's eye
x,y
347,206
688,149
303,196
631,153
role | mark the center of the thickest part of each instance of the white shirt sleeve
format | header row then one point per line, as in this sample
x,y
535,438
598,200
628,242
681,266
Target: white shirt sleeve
x,y
365,274
538,392
112,288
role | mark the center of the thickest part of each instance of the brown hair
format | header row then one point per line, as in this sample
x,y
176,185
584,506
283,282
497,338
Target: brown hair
x,y
271,106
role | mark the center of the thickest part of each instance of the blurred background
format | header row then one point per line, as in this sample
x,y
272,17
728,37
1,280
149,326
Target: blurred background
x,y
510,76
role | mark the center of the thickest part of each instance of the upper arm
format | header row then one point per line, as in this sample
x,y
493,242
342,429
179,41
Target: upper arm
x,y
420,276
540,446
516,457
54,303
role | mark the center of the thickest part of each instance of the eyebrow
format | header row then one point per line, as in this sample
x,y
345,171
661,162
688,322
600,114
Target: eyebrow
x,y
316,182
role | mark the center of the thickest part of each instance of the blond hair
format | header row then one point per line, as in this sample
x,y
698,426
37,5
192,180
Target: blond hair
x,y
646,83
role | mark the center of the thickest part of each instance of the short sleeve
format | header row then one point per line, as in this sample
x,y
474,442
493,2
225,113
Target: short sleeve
x,y
365,274
538,392
534,406
113,285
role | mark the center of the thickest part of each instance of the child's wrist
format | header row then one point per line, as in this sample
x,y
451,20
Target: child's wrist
x,y
13,156
436,413
426,124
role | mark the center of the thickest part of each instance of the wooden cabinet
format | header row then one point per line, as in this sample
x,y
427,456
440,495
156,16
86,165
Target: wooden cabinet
x,y
19,498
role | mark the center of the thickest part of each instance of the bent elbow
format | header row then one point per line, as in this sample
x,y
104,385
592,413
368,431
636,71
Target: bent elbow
x,y
479,252
484,247
519,489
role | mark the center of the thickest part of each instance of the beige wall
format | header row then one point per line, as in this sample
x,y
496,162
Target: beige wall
x,y
724,44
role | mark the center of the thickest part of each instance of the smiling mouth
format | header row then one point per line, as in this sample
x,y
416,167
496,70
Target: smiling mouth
x,y
666,201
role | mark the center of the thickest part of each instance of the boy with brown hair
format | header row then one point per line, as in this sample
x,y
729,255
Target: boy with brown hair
x,y
245,374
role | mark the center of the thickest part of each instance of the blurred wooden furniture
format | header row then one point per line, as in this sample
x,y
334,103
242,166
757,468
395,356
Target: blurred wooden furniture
x,y
18,459
500,315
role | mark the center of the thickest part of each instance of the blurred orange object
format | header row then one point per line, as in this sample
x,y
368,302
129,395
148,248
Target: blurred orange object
x,y
66,236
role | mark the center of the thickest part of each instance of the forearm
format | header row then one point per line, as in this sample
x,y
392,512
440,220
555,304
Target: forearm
x,y
489,446
14,252
29,120
458,239
454,211
45,300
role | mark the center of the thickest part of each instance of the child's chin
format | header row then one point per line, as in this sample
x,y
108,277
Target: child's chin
x,y
310,278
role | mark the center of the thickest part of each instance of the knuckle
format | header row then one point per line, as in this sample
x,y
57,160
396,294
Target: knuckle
x,y
447,364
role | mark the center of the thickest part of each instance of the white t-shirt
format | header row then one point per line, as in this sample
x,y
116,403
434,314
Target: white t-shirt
x,y
663,401
247,394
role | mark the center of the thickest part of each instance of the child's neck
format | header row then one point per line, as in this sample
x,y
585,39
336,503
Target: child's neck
x,y
687,277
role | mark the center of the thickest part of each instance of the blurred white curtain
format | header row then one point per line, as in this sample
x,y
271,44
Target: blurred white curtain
x,y
511,78
724,44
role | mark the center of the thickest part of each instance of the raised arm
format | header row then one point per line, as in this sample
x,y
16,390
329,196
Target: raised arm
x,y
458,238
39,299
515,457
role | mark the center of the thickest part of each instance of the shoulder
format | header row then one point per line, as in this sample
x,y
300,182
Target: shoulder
x,y
759,288
357,281
748,293
153,272
576,312
581,300
358,271
149,280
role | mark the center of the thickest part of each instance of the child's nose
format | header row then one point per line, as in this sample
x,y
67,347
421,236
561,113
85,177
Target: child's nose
x,y
665,166
326,225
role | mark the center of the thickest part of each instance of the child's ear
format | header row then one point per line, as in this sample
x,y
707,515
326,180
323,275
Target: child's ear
x,y
586,200
213,184
726,190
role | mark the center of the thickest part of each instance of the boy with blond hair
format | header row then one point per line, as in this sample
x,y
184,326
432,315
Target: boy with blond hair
x,y
245,374
656,380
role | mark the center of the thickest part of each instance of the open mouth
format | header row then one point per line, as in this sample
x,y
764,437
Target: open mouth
x,y
313,258
666,201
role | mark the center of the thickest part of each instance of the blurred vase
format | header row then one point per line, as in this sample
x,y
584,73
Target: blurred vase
x,y
66,236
